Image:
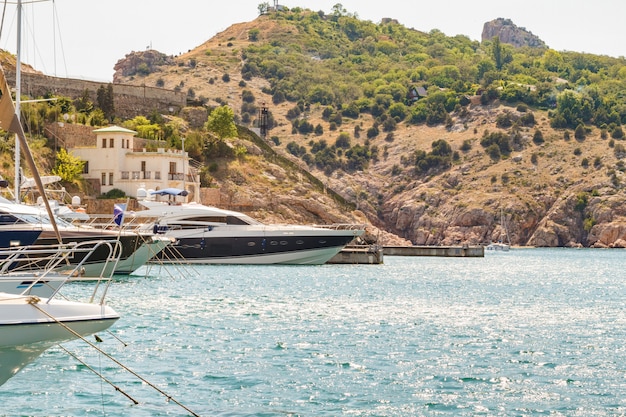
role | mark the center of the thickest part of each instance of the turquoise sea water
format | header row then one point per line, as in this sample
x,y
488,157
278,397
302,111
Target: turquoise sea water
x,y
531,332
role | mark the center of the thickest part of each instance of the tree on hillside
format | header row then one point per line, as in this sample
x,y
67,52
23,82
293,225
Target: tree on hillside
x,y
83,104
263,8
221,121
104,98
500,55
339,10
68,166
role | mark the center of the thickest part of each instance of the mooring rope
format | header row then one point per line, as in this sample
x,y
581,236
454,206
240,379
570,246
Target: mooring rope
x,y
77,335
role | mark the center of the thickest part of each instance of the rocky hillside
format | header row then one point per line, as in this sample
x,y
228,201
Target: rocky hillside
x,y
553,188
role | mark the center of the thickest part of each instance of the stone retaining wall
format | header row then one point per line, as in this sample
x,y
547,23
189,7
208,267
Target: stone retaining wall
x,y
129,100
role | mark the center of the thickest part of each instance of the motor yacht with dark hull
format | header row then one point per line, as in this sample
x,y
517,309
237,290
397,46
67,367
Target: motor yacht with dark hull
x,y
130,259
209,235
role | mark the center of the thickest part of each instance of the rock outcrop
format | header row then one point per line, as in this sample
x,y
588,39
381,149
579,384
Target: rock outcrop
x,y
143,63
511,34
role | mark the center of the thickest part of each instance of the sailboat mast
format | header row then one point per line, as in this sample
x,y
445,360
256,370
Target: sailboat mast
x,y
18,84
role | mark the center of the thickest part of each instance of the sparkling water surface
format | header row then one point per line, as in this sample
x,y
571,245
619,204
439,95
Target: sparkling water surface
x,y
531,332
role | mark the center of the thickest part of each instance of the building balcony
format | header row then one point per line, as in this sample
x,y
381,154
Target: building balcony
x,y
140,175
175,176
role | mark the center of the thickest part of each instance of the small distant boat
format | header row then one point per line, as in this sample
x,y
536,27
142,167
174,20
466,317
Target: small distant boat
x,y
498,246
501,246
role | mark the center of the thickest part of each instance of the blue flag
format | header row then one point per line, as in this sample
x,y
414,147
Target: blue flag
x,y
118,213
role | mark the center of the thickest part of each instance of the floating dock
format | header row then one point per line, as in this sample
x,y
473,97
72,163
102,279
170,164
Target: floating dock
x,y
446,251
374,254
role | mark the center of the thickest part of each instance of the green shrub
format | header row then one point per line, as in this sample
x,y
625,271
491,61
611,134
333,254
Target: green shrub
x,y
114,193
467,145
579,133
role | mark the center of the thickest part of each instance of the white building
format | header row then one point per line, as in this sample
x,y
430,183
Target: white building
x,y
118,163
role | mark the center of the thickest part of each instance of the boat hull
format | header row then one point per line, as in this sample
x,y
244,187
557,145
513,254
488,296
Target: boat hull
x,y
290,249
99,263
150,248
27,327
11,238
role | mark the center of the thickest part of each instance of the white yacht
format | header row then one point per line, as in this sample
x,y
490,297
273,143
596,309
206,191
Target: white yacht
x,y
209,235
41,270
29,325
136,248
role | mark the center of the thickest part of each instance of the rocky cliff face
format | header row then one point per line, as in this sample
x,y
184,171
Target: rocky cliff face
x,y
509,33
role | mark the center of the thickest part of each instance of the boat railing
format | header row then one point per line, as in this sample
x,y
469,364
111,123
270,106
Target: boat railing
x,y
131,222
41,262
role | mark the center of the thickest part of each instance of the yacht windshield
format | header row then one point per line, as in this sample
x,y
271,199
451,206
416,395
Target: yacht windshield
x,y
241,219
9,219
38,219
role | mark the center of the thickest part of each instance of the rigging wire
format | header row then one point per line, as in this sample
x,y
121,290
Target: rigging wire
x,y
56,24
56,47
111,358
99,375
4,9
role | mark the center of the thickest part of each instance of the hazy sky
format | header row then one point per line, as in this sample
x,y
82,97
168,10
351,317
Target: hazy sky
x,y
85,38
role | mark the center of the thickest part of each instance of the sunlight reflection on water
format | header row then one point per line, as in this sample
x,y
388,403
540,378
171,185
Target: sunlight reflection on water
x,y
529,332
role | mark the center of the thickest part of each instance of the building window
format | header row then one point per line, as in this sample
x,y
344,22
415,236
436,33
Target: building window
x,y
103,181
104,142
110,178
143,166
86,168
127,143
111,143
172,168
157,175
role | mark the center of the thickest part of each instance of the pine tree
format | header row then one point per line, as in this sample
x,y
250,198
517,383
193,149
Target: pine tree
x,y
105,101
